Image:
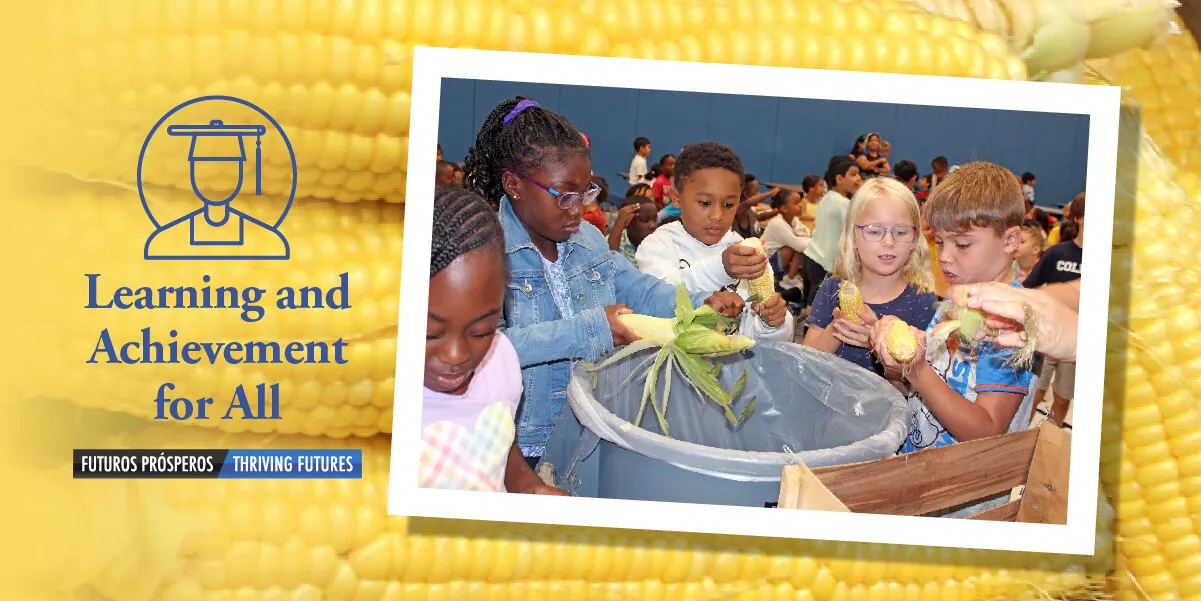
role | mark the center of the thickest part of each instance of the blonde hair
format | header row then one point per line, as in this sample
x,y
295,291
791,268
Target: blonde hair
x,y
916,271
978,194
1037,234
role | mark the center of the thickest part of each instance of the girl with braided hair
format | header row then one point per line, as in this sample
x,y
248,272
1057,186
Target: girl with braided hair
x,y
566,287
472,375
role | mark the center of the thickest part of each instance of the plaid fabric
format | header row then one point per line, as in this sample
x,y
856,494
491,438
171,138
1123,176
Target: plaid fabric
x,y
454,458
627,249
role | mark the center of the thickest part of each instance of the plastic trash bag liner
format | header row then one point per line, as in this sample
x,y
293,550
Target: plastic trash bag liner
x,y
810,406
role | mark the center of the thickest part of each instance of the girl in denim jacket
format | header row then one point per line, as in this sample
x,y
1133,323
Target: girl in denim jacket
x,y
566,287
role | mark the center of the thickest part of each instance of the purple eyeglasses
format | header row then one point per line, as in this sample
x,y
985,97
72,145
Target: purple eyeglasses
x,y
567,200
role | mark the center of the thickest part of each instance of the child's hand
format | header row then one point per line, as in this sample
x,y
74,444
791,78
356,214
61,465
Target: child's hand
x,y
854,334
743,262
621,334
625,216
773,311
726,303
879,334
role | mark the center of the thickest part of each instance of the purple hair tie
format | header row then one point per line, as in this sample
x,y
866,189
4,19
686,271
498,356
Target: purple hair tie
x,y
521,106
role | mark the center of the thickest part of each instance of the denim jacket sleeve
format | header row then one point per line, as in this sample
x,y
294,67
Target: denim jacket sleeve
x,y
648,295
585,336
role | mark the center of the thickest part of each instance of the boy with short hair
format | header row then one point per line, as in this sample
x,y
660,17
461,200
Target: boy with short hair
x,y
842,181
960,393
642,149
939,165
1028,186
702,251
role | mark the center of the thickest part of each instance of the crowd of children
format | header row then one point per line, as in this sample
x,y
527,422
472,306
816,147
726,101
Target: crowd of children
x,y
529,277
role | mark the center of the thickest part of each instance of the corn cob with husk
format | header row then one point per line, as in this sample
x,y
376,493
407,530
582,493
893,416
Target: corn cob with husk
x,y
684,343
1150,451
1056,37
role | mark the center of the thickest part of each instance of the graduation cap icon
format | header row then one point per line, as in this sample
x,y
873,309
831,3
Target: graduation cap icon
x,y
212,143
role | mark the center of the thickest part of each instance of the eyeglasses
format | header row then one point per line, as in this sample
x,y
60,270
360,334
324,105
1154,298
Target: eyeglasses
x,y
567,200
902,234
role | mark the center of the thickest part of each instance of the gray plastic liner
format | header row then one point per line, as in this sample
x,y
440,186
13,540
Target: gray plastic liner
x,y
811,407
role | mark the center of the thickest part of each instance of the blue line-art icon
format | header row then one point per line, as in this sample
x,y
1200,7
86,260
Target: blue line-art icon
x,y
217,230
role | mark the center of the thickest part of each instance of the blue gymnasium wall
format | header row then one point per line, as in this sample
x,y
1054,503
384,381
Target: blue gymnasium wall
x,y
783,139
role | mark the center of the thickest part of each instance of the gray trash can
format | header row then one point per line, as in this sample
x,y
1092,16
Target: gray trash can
x,y
810,406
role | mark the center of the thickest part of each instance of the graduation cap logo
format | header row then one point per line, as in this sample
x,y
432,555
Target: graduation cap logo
x,y
217,229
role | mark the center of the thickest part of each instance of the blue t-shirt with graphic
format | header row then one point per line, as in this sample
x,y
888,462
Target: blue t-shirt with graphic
x,y
913,307
968,373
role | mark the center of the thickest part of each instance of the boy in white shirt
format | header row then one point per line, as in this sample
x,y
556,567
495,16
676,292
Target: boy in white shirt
x,y
700,249
642,149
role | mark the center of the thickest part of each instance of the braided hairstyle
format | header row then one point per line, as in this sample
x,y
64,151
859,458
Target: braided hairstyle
x,y
527,142
463,222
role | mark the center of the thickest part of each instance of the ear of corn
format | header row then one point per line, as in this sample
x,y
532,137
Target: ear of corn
x,y
901,342
1165,80
850,301
764,286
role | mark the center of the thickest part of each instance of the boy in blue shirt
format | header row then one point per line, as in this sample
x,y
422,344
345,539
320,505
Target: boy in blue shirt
x,y
958,392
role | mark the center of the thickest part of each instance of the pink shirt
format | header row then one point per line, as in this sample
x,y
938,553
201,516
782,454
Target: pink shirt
x,y
497,378
466,439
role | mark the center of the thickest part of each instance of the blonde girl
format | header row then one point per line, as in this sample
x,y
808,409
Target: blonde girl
x,y
883,253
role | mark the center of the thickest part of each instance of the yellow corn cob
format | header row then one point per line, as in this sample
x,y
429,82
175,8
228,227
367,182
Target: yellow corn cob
x,y
850,301
902,345
337,77
763,286
331,539
1166,82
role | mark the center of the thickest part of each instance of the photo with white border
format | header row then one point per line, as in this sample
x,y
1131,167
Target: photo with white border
x,y
432,67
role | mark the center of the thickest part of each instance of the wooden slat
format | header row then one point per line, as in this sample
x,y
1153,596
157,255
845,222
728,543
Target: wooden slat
x,y
1005,513
800,489
1046,498
933,479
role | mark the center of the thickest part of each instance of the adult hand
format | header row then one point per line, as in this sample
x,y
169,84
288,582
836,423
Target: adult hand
x,y
773,311
854,334
743,262
1004,306
726,303
621,334
879,344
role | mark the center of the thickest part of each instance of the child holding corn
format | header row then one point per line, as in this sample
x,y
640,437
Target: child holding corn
x,y
966,393
565,288
472,377
704,253
884,259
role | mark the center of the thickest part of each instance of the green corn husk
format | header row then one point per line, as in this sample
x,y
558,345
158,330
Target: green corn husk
x,y
698,336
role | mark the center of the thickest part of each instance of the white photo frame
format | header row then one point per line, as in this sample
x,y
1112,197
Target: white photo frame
x,y
1100,103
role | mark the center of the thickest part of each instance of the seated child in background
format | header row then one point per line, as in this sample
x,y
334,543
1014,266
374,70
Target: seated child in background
x,y
472,376
964,394
786,234
637,219
884,255
595,213
702,251
1029,250
813,187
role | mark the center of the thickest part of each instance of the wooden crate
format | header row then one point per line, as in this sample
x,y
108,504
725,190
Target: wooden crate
x,y
934,480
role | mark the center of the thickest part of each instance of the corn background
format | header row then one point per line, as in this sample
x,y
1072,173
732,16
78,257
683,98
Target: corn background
x,y
337,74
